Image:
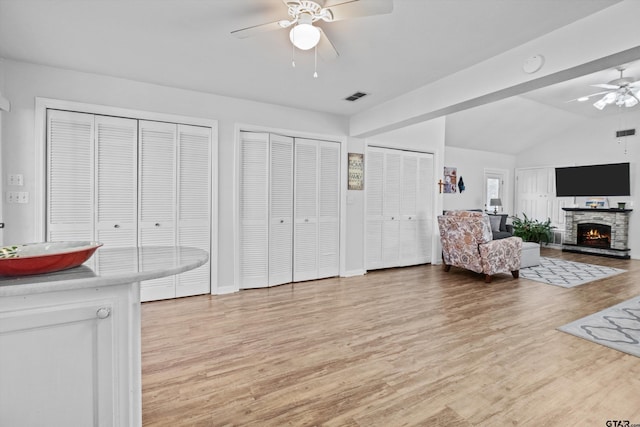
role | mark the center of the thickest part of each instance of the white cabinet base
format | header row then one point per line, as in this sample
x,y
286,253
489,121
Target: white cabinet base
x,y
71,358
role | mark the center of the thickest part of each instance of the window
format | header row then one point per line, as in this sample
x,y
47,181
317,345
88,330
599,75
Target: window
x,y
494,189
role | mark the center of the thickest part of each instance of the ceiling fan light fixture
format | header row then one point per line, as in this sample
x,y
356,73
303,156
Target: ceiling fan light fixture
x,y
630,101
609,98
600,104
304,36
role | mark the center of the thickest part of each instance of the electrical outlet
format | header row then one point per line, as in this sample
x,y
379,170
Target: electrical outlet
x,y
17,197
15,179
23,197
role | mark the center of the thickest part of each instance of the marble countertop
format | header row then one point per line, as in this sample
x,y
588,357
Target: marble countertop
x,y
108,267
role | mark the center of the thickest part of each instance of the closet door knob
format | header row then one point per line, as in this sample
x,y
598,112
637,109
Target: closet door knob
x,y
281,221
103,312
116,226
157,224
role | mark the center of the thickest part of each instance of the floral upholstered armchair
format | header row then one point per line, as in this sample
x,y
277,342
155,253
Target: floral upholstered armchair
x,y
467,242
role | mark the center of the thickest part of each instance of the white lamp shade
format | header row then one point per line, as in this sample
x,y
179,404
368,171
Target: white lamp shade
x,y
630,101
304,36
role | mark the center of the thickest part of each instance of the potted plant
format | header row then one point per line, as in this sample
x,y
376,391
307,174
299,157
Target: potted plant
x,y
532,230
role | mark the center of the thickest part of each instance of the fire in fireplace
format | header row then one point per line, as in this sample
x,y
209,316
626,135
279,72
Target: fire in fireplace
x,y
594,235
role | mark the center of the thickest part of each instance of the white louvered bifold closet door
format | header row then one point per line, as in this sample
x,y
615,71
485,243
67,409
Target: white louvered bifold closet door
x,y
391,208
194,204
157,198
409,210
116,190
399,207
426,193
305,240
254,210
329,210
280,210
70,172
374,175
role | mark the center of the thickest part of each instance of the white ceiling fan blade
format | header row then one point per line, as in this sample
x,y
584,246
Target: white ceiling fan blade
x,y
257,29
635,84
606,86
588,96
326,49
358,8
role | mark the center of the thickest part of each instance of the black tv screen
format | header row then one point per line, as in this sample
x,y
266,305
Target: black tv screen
x,y
594,180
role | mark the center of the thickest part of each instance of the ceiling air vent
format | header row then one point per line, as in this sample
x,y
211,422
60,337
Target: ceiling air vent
x,y
627,132
355,96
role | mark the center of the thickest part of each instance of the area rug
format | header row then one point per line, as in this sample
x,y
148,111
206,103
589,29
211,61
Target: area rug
x,y
617,327
567,274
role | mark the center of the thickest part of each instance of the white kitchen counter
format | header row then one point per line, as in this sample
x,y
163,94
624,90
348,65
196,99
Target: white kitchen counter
x,y
70,340
107,267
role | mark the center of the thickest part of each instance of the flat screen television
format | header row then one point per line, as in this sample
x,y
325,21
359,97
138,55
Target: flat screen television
x,y
594,180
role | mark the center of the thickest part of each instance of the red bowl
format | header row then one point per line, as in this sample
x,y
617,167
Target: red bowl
x,y
47,257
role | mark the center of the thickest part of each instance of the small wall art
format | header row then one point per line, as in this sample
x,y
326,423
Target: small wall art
x,y
356,171
450,180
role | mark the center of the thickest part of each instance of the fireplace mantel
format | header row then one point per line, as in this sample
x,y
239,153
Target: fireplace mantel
x,y
617,219
596,210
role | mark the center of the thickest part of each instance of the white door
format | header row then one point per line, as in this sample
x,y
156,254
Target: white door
x,y
116,177
391,208
426,191
409,210
374,187
157,197
532,193
305,258
280,210
328,209
70,176
254,210
194,204
399,214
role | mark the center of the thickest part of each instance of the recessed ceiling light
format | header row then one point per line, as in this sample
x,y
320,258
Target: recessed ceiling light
x,y
583,99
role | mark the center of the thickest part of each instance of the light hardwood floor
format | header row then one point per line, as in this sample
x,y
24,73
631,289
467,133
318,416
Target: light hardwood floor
x,y
402,347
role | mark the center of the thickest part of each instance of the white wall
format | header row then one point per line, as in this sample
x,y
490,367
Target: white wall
x,y
594,142
24,82
355,240
471,166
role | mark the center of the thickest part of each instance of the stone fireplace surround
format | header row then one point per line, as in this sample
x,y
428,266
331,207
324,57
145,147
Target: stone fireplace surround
x,y
617,219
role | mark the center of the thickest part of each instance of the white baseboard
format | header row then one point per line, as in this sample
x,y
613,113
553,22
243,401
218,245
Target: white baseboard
x,y
352,273
221,290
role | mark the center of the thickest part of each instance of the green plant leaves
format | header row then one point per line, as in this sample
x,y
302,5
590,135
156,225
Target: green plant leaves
x,y
532,230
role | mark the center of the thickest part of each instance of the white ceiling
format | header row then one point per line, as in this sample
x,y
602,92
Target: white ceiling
x,y
187,44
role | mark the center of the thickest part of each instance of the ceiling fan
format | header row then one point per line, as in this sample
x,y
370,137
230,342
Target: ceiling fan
x,y
623,91
304,13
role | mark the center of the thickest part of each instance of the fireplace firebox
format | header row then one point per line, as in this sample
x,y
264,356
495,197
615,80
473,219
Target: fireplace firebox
x,y
594,235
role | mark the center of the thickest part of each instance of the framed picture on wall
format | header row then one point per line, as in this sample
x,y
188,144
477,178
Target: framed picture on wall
x,y
450,180
356,171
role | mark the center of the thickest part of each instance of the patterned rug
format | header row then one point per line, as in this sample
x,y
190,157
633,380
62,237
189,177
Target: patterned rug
x,y
617,327
567,274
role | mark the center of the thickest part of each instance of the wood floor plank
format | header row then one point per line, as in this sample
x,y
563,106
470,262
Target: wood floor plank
x,y
412,346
